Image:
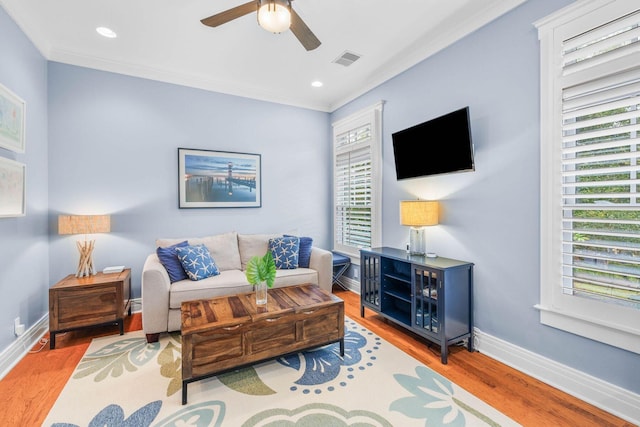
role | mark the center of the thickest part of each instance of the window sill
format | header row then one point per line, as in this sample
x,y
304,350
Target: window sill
x,y
599,331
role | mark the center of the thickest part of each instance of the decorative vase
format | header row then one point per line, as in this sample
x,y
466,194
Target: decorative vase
x,y
261,293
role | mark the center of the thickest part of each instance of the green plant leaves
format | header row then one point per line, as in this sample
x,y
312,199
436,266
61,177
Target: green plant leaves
x,y
261,269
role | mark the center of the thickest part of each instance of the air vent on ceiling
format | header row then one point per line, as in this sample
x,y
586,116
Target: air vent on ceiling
x,y
347,58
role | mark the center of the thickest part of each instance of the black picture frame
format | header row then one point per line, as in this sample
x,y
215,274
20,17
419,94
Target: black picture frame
x,y
218,179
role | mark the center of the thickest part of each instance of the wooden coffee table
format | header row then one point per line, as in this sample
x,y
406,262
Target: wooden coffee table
x,y
230,332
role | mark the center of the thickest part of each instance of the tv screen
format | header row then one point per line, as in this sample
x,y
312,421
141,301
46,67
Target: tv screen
x,y
437,146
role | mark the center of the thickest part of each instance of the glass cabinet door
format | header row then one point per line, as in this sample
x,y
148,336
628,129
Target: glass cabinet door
x,y
426,285
370,280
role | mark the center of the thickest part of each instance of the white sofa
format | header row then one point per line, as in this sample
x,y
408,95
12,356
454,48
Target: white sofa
x,y
231,251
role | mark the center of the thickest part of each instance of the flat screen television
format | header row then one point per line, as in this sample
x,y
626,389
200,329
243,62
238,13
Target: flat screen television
x,y
437,146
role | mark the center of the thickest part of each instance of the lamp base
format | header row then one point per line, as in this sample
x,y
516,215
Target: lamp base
x,y
85,265
416,241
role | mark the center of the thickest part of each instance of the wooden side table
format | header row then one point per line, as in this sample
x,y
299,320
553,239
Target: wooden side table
x,y
80,302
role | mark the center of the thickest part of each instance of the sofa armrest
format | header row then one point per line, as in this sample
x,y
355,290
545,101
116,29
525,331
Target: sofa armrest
x,y
155,296
322,261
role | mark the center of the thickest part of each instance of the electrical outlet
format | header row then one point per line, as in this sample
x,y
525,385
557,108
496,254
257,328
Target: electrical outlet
x,y
356,273
18,328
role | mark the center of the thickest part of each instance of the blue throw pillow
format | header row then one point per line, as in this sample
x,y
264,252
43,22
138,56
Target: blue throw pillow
x,y
285,252
304,255
169,259
197,262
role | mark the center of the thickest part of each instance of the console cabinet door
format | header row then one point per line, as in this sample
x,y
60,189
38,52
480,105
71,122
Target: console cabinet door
x,y
427,284
370,283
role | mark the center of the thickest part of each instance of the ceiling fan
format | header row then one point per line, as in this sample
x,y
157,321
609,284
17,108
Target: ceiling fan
x,y
275,16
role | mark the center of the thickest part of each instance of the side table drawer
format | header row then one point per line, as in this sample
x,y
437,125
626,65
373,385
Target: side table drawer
x,y
85,306
82,302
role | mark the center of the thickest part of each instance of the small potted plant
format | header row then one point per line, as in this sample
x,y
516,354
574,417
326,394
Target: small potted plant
x,y
261,273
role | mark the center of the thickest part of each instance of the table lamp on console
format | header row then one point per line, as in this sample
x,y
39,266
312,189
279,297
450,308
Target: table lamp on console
x,y
418,214
84,224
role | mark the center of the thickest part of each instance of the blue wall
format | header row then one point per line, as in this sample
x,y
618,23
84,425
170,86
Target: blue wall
x,y
111,147
24,249
114,149
105,143
491,216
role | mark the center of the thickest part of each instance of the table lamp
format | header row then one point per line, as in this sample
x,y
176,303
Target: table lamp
x,y
417,214
84,224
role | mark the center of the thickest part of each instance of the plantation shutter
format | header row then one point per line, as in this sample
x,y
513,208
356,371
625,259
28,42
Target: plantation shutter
x,y
600,167
353,187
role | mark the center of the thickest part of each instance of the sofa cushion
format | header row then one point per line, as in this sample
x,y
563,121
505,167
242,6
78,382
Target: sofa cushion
x,y
169,259
251,245
222,247
285,252
304,254
232,282
295,277
226,283
197,262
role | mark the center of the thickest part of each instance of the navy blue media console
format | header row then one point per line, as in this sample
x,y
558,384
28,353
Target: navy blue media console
x,y
432,297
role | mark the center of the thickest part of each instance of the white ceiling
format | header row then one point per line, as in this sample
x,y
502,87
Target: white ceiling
x,y
164,40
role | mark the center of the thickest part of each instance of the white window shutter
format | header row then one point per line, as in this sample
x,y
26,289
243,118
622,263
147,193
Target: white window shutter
x,y
590,171
357,181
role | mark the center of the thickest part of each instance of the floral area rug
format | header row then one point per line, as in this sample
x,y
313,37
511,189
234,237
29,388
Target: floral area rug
x,y
123,381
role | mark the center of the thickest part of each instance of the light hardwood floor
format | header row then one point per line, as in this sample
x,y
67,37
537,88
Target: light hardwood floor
x,y
31,388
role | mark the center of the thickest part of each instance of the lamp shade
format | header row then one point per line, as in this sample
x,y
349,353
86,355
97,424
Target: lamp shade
x,y
84,224
274,15
418,213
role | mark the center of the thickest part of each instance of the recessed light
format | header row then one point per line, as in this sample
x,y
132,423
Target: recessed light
x,y
316,83
106,32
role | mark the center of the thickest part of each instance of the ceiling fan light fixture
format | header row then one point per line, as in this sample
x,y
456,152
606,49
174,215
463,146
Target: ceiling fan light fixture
x,y
274,15
106,32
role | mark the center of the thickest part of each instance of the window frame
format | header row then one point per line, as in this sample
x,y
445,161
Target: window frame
x,y
604,322
373,116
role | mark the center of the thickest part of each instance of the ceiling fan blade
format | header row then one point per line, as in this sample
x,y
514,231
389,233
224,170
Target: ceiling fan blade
x,y
302,32
230,14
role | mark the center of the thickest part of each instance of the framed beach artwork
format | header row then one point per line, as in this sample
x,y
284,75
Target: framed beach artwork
x,y
218,179
12,117
12,188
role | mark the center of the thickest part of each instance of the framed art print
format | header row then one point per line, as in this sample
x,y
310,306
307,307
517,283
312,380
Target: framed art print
x,y
12,188
218,179
12,117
